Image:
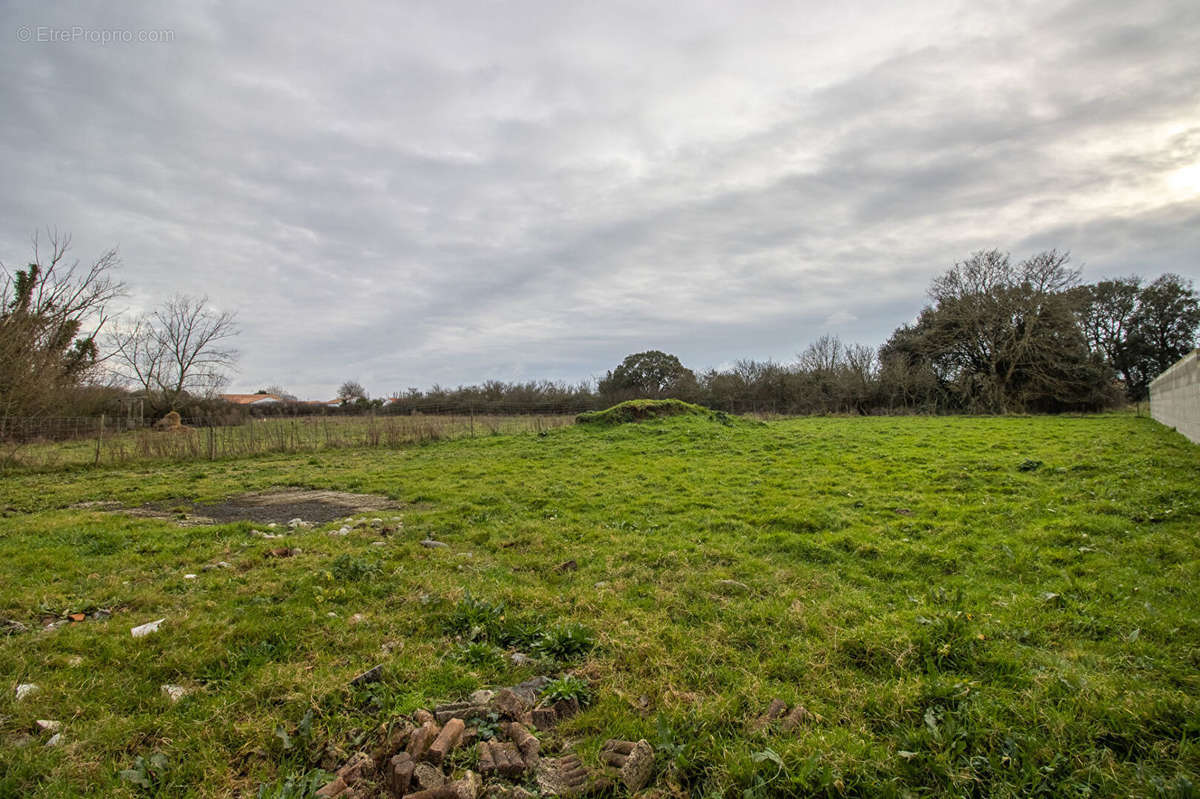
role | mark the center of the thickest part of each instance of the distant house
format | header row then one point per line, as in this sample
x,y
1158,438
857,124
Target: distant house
x,y
252,399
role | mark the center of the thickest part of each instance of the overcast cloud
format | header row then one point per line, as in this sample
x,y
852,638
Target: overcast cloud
x,y
448,192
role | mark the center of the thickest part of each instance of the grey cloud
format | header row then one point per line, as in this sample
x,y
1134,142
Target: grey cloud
x,y
448,193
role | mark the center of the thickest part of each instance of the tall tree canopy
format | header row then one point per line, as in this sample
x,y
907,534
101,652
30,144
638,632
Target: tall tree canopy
x,y
50,315
1004,336
647,374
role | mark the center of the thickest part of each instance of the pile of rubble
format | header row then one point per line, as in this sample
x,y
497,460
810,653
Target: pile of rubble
x,y
414,760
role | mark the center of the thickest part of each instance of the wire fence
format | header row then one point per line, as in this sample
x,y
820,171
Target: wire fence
x,y
53,442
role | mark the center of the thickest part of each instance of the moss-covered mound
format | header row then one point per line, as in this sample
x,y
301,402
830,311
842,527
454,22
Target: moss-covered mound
x,y
645,409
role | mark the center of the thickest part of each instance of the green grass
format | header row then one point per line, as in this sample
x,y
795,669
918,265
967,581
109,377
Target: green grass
x,y
961,622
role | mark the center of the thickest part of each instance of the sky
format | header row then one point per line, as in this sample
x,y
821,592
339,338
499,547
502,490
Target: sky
x,y
441,192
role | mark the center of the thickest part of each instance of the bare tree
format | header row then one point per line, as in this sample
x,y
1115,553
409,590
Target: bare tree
x,y
50,315
177,351
277,390
351,391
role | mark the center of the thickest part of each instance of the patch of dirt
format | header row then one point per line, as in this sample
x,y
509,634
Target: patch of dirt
x,y
280,507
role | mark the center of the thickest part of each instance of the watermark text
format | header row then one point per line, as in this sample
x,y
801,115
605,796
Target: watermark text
x,y
83,34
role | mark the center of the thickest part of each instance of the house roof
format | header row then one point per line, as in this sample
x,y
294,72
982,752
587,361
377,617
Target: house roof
x,y
250,399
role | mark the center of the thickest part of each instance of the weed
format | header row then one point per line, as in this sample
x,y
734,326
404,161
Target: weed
x,y
566,642
294,786
149,774
568,687
479,654
351,569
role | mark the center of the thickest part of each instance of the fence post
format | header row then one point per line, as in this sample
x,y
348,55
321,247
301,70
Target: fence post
x,y
99,439
471,408
212,441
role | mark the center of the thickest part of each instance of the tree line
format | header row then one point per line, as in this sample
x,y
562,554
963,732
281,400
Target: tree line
x,y
997,336
64,352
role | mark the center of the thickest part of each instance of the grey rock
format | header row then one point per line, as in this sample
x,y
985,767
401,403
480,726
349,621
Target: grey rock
x,y
427,777
638,768
429,543
373,674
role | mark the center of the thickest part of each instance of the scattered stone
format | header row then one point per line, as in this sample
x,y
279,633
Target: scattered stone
x,y
373,674
282,552
26,690
544,718
420,741
481,697
566,776
174,692
427,776
75,661
340,531
458,710
775,712
379,543
601,584
48,725
429,543
399,773
12,627
529,746
520,659
509,704
469,786
423,716
357,618
507,792
635,762
447,740
54,739
566,566
798,717
335,788
142,630
359,767
566,708
189,577
903,512
732,586
222,564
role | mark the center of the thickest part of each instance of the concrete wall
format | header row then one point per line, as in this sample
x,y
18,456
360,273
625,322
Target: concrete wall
x,y
1175,396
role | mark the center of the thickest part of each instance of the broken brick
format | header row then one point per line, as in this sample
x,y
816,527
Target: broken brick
x,y
446,741
360,765
420,741
510,704
528,745
544,718
332,789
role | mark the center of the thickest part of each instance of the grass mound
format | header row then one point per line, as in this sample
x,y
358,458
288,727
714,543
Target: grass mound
x,y
646,409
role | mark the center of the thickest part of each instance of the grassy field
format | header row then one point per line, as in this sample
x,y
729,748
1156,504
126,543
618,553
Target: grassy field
x,y
965,606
